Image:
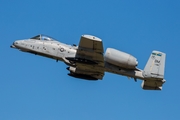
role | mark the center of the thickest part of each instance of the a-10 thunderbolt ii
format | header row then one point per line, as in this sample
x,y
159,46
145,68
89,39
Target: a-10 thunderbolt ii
x,y
88,61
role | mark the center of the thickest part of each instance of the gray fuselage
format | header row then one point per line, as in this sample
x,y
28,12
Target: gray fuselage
x,y
60,51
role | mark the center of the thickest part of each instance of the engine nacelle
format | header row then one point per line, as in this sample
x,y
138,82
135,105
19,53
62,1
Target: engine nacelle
x,y
120,59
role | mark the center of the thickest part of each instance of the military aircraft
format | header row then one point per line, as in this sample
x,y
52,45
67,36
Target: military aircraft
x,y
88,61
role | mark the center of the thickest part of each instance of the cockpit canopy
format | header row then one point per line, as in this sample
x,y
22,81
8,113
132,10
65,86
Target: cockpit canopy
x,y
42,37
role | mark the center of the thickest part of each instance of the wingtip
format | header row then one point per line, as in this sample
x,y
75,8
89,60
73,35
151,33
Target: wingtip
x,y
91,37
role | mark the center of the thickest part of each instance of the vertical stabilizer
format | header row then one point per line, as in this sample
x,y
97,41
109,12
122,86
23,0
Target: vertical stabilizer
x,y
155,66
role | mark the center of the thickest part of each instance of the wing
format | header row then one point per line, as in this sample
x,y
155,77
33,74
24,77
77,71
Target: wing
x,y
89,58
91,48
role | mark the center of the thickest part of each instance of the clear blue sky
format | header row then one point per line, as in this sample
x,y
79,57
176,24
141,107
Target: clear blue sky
x,y
34,87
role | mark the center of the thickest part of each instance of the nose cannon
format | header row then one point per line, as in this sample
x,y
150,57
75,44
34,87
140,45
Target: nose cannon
x,y
13,45
16,44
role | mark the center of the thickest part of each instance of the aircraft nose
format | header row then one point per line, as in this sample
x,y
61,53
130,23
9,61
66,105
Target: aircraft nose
x,y
15,44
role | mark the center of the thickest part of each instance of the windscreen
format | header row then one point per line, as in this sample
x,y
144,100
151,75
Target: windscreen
x,y
42,37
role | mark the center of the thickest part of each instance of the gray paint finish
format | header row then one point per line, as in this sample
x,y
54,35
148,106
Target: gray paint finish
x,y
87,61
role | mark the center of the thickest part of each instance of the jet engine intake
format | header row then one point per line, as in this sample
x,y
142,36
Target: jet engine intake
x,y
120,59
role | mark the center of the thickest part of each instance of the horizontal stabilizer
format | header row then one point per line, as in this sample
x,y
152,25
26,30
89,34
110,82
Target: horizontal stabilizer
x,y
152,84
